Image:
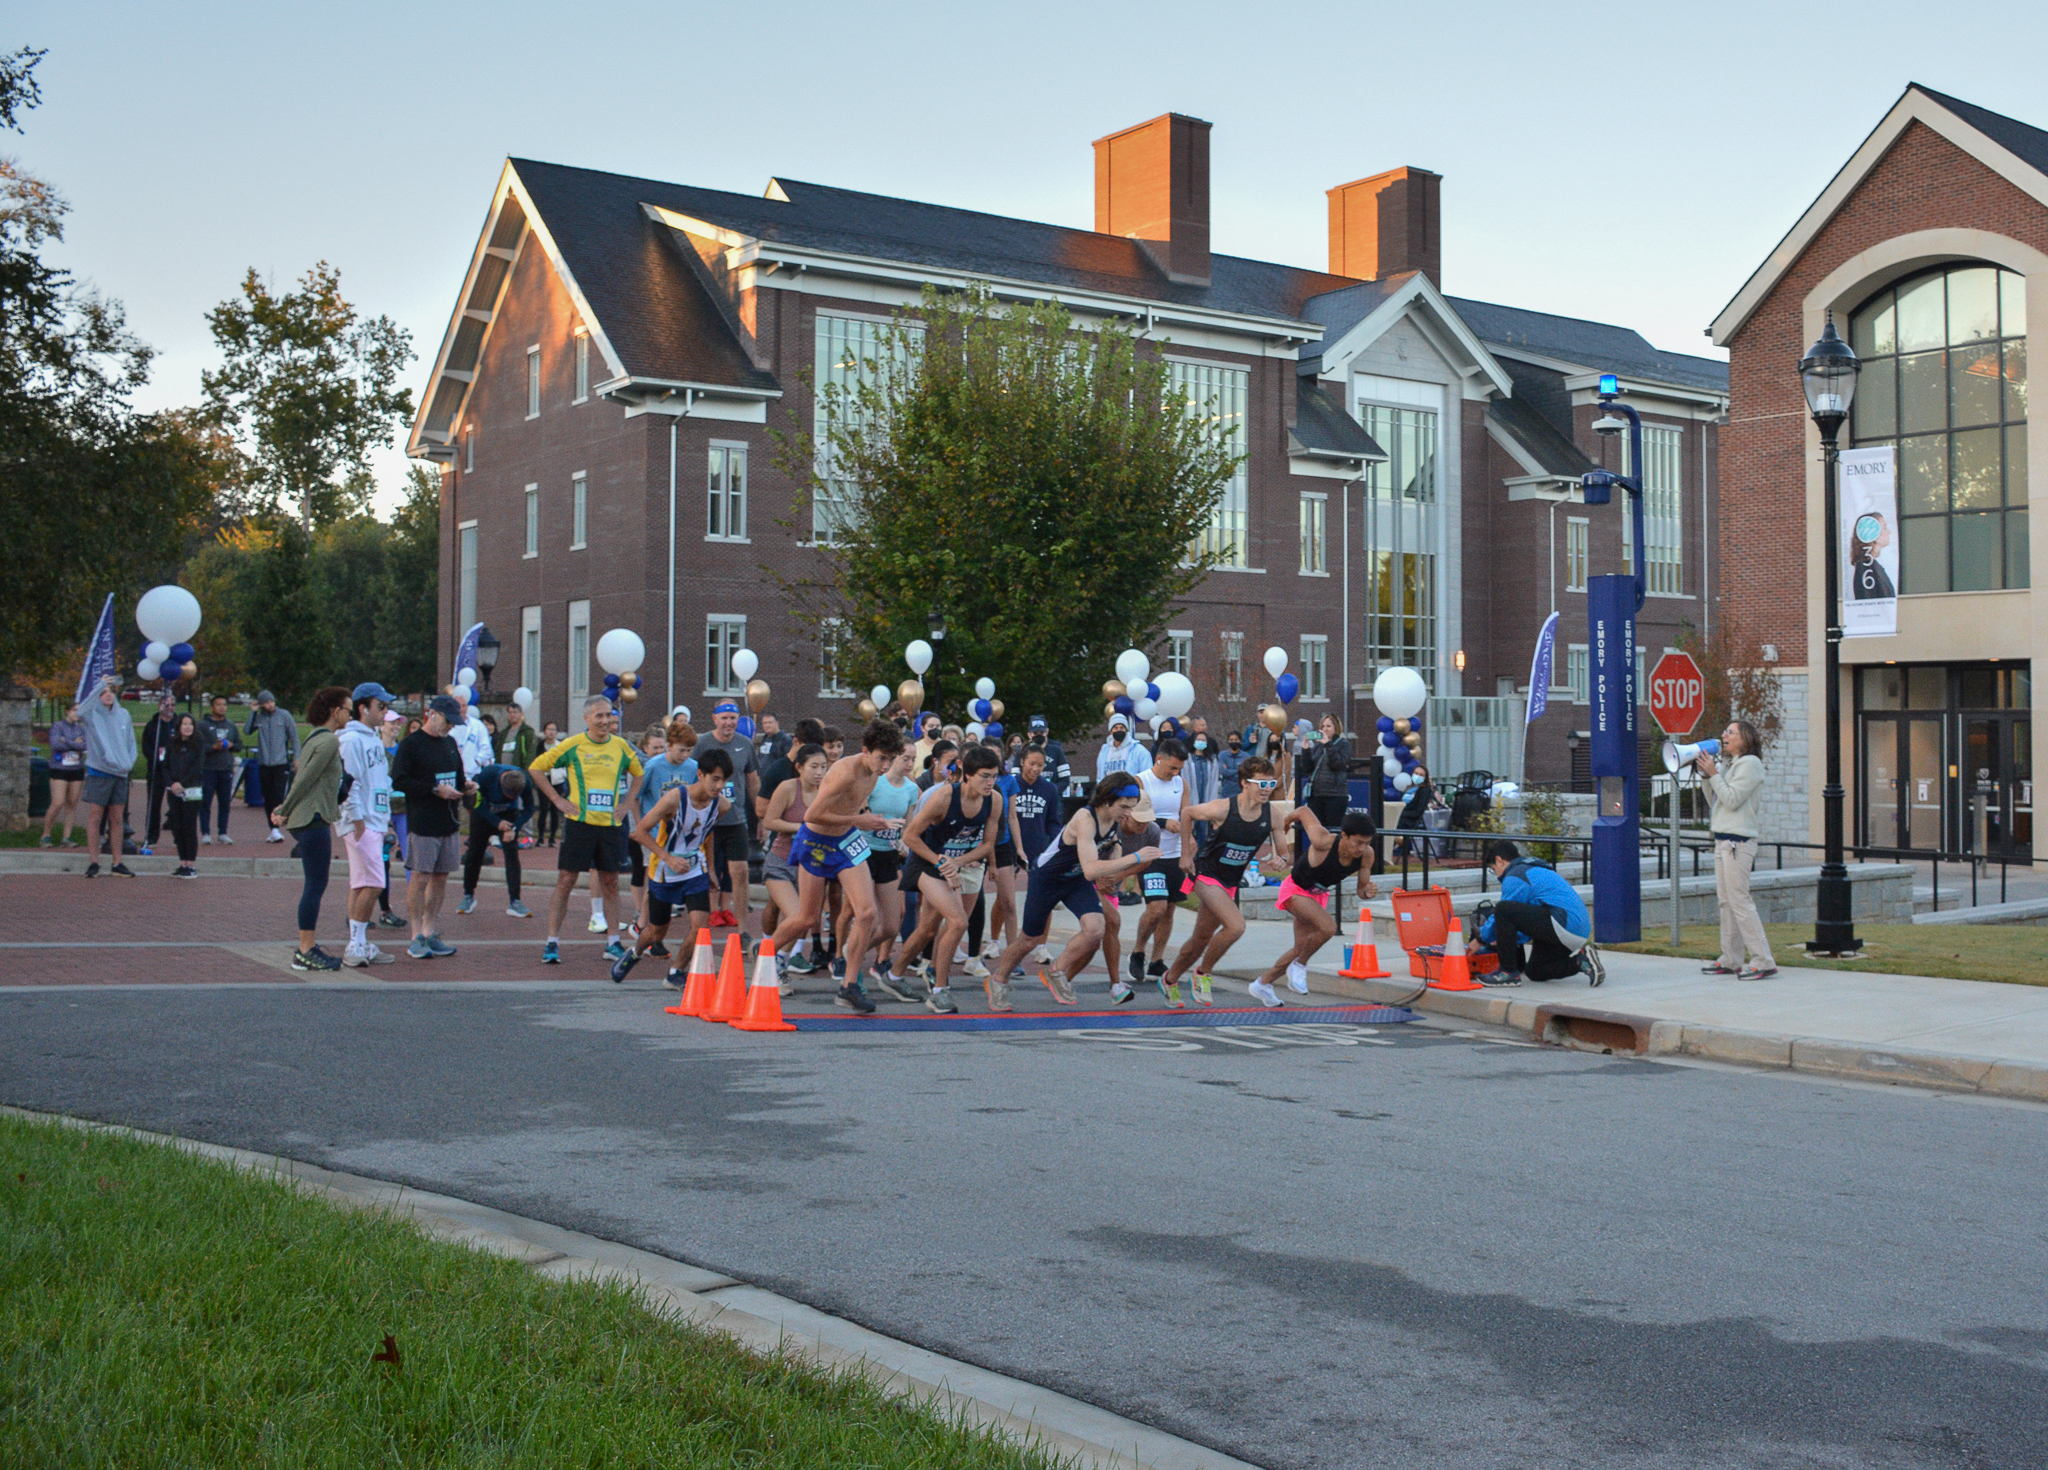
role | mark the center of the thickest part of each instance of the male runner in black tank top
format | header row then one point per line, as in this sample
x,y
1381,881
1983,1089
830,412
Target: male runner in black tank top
x,y
1242,828
937,869
1312,894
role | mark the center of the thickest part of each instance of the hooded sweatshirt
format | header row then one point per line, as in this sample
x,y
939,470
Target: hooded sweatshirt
x,y
368,765
109,738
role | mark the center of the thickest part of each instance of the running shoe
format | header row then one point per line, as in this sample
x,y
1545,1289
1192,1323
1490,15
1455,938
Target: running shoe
x,y
1297,978
1121,994
855,999
206,839
1500,979
1041,956
92,870
468,904
614,950
1596,967
122,869
839,968
902,987
940,999
313,959
660,950
1169,991
518,910
440,947
1136,965
390,920
551,953
597,925
976,968
622,966
1757,972
674,979
355,958
1266,995
226,841
48,840
1156,969
998,992
419,949
1061,987
186,873
1205,994
381,956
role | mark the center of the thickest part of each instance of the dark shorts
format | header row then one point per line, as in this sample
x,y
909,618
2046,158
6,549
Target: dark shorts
x,y
663,899
827,857
104,790
1007,856
586,848
1073,891
727,845
884,867
1162,881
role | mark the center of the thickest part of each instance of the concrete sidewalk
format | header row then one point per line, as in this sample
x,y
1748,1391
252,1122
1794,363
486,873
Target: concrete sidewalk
x,y
1964,1035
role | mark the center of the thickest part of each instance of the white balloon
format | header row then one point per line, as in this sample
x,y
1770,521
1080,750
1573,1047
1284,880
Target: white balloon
x,y
1390,767
620,652
167,614
974,729
523,697
984,689
1158,721
1404,782
462,695
1132,666
157,653
744,663
465,677
147,669
918,654
1145,709
1276,661
881,696
1176,694
1400,693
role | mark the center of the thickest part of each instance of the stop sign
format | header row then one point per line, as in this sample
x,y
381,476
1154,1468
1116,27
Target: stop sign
x,y
1678,693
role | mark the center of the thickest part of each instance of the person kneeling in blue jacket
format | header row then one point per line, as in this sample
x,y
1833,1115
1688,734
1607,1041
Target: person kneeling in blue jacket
x,y
1538,907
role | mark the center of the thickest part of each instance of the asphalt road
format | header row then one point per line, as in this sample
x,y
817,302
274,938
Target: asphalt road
x,y
1308,1248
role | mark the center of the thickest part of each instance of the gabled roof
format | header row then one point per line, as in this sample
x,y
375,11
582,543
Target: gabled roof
x,y
1535,441
2016,151
1593,347
1322,430
1355,315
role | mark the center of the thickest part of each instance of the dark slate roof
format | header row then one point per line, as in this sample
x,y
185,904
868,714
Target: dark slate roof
x,y
1599,347
1338,311
2022,140
1323,428
1538,437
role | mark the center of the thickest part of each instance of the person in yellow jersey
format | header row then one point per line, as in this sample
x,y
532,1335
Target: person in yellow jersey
x,y
604,777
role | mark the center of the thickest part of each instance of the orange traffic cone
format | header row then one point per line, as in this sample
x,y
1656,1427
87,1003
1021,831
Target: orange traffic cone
x,y
764,996
729,997
697,989
1365,964
1456,970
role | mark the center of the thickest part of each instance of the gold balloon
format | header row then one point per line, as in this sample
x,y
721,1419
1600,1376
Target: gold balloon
x,y
866,710
1108,710
627,696
1275,716
190,675
628,680
1114,690
910,694
996,707
1400,727
757,695
1413,742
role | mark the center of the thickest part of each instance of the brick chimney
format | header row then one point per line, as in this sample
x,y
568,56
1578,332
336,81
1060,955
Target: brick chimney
x,y
1386,224
1152,185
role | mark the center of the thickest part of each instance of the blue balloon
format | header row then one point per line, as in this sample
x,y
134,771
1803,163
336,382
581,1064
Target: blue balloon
x,y
995,730
1415,722
170,671
746,726
983,709
1123,704
181,653
1384,724
1152,691
1287,686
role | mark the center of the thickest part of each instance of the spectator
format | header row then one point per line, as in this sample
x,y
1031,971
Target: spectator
x,y
1422,800
516,745
109,757
1120,752
277,746
223,738
929,735
1326,762
183,771
427,768
67,775
771,745
365,817
1736,796
471,735
549,828
504,804
1203,774
1057,770
156,734
309,811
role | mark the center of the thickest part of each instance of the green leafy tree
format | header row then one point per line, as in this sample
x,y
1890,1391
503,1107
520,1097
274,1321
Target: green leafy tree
x,y
1043,486
308,388
406,626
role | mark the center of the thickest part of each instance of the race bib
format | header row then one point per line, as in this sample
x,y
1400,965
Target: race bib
x,y
448,778
1237,855
598,801
193,793
731,794
855,846
381,803
1153,885
69,760
685,864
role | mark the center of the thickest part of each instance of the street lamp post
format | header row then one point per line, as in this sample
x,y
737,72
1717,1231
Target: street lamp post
x,y
487,655
1828,375
935,625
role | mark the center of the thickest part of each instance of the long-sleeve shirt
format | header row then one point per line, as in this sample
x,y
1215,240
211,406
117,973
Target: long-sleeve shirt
x,y
420,765
368,765
493,806
67,749
1130,756
1039,812
315,794
473,739
1735,791
223,739
277,737
109,738
1539,883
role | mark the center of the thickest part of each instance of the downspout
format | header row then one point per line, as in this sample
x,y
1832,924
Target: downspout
x,y
669,638
1706,547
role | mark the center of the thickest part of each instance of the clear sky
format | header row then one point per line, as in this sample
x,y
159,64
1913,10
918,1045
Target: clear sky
x,y
1628,164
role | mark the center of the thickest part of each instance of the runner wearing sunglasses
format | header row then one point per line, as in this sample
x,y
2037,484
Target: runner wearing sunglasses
x,y
1242,827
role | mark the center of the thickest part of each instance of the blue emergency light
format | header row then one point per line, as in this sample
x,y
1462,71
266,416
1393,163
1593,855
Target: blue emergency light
x,y
1609,385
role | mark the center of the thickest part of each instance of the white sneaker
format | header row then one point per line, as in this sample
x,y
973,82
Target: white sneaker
x,y
275,836
976,968
598,926
1297,978
1267,996
206,839
379,957
1041,956
226,841
354,958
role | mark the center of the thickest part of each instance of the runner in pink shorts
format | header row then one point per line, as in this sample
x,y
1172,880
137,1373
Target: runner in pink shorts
x,y
1242,828
1322,861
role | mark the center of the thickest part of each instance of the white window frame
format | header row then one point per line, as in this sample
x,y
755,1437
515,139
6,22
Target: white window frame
x,y
466,552
831,648
1315,668
579,511
1578,672
582,366
720,679
718,491
532,525
1578,537
1219,397
469,448
530,653
533,381
855,336
1315,534
1230,667
1664,510
1180,651
1642,674
579,664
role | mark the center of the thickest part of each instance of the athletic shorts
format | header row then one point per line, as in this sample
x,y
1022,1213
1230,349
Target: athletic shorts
x,y
587,847
1006,856
1071,891
1291,889
637,855
884,867
727,845
365,855
433,854
663,899
1188,884
827,857
104,790
778,870
1162,881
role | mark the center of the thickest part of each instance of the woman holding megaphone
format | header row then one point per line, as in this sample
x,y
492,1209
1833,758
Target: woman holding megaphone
x,y
1736,795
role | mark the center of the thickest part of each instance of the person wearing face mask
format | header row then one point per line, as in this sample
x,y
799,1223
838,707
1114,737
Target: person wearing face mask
x,y
1227,760
1120,752
1203,773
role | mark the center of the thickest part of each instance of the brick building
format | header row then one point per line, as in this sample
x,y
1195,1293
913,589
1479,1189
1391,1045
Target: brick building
x,y
1928,247
622,350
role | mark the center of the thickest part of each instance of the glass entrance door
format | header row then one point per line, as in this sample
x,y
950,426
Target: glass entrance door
x,y
1996,777
1921,787
1880,825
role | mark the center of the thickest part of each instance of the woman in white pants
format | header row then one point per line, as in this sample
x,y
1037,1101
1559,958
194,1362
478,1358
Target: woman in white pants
x,y
1736,795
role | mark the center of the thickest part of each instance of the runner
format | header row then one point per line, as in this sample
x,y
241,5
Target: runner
x,y
893,799
598,763
365,818
831,845
729,836
1067,874
779,826
1243,828
1322,861
1160,884
673,832
667,764
953,827
1035,818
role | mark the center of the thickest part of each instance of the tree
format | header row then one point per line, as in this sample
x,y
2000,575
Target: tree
x,y
308,389
406,629
1740,684
1041,485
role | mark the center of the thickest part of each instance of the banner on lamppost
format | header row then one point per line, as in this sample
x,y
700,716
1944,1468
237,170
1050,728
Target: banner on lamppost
x,y
99,654
1539,671
1870,542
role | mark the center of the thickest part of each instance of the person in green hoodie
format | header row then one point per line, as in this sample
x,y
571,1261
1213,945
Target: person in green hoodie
x,y
517,744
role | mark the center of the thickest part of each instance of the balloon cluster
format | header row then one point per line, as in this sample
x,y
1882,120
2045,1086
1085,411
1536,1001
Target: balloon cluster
x,y
167,616
1159,701
620,653
910,693
1400,695
525,699
987,711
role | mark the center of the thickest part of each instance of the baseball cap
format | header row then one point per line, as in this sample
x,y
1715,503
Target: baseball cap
x,y
372,690
1038,722
391,716
448,707
725,707
1143,811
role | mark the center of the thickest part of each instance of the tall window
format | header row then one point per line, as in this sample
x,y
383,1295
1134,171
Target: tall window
x,y
532,521
582,366
529,652
1578,675
726,517
1400,540
1180,652
1315,662
1945,380
579,512
1230,667
1216,397
724,636
466,597
849,353
469,448
1575,534
533,382
1663,511
831,647
1315,557
579,661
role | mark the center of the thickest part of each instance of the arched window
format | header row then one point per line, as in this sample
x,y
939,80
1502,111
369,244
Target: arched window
x,y
1945,381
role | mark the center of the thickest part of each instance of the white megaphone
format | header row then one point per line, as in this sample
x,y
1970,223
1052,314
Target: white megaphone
x,y
1677,757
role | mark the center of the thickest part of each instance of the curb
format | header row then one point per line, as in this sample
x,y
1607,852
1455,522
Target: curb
x,y
758,1320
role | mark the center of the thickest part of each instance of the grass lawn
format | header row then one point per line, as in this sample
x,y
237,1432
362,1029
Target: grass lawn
x,y
2012,954
160,1309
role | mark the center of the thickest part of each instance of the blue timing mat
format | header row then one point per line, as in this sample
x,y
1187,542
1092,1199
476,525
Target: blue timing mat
x,y
1101,1020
